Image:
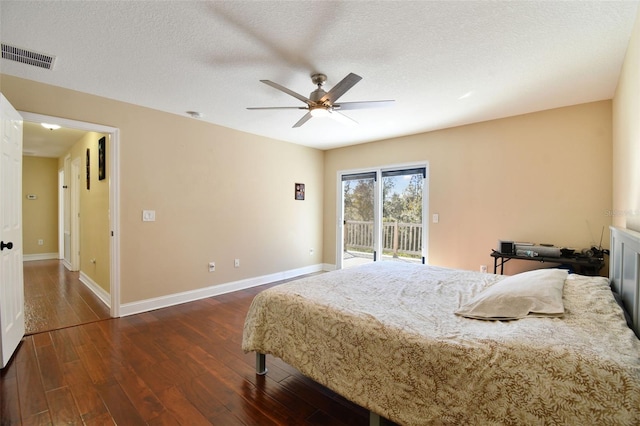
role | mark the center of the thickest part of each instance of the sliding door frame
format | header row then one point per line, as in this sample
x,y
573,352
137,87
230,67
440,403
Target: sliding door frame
x,y
377,245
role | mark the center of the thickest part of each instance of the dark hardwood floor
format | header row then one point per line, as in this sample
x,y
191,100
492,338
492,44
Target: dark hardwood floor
x,y
55,298
181,365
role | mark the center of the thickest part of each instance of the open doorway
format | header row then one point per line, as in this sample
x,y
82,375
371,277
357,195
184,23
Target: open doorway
x,y
65,249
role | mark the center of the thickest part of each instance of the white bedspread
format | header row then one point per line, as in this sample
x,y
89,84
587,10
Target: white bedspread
x,y
386,337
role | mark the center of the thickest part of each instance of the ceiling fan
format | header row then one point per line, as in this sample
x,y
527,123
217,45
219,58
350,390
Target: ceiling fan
x,y
321,103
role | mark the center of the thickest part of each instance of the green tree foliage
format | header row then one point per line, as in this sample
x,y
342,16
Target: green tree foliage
x,y
412,199
403,207
358,199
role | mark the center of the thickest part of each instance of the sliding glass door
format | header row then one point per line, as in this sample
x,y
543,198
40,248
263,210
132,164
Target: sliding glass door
x,y
382,215
358,191
402,218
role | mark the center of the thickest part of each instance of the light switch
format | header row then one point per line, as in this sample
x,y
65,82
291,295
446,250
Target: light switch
x,y
148,215
436,218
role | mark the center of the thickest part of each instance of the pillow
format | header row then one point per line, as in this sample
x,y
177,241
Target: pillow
x,y
535,293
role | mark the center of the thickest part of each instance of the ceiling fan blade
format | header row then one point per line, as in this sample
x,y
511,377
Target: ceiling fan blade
x,y
277,108
338,116
287,91
341,88
361,105
303,120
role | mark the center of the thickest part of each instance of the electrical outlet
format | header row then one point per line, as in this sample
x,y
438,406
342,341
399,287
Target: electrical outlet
x,y
236,263
148,215
310,252
483,269
40,242
212,266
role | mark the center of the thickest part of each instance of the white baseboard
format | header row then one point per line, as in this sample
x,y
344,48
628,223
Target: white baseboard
x,y
328,267
215,290
39,256
95,289
66,264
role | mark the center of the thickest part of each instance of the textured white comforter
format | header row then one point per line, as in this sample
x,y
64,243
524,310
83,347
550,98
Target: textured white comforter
x,y
385,336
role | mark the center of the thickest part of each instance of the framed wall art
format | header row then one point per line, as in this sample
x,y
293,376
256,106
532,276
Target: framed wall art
x,y
101,158
88,168
299,191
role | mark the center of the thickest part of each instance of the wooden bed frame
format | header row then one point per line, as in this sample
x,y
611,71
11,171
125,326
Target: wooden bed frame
x,y
624,275
624,271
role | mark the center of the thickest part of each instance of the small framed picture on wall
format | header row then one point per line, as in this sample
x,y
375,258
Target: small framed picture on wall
x,y
101,158
299,191
88,168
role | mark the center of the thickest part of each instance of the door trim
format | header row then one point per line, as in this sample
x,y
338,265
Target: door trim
x,y
74,193
61,213
113,164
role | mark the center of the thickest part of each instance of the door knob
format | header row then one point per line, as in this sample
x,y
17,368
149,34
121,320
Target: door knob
x,y
8,245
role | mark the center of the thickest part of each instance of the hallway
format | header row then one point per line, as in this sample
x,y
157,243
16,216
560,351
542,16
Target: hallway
x,y
55,298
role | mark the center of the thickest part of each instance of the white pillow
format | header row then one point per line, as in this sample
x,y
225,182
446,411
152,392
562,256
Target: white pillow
x,y
535,293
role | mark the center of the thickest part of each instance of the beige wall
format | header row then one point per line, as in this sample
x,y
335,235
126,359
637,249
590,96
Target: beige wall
x,y
626,138
94,212
219,194
543,177
40,216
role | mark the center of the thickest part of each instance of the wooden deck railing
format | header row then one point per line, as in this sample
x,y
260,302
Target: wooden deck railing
x,y
397,238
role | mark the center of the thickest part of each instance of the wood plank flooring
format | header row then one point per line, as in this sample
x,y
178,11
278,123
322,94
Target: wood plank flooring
x,y
55,298
181,365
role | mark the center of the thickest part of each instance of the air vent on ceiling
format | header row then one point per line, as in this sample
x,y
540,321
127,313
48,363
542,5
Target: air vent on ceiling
x,y
40,60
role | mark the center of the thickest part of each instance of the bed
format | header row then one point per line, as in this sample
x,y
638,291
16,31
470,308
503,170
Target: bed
x,y
390,337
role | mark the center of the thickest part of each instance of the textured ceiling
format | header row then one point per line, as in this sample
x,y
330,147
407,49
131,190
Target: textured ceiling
x,y
41,142
446,63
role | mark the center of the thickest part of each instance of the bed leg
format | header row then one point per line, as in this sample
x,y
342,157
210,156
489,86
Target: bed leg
x,y
261,364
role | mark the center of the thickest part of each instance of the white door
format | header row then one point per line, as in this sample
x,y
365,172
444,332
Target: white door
x,y
61,214
11,273
66,218
74,188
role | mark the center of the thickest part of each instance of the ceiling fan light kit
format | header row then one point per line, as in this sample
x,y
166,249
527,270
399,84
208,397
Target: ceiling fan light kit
x,y
321,103
319,112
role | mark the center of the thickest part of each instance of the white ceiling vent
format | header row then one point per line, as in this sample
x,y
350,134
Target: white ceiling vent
x,y
28,57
